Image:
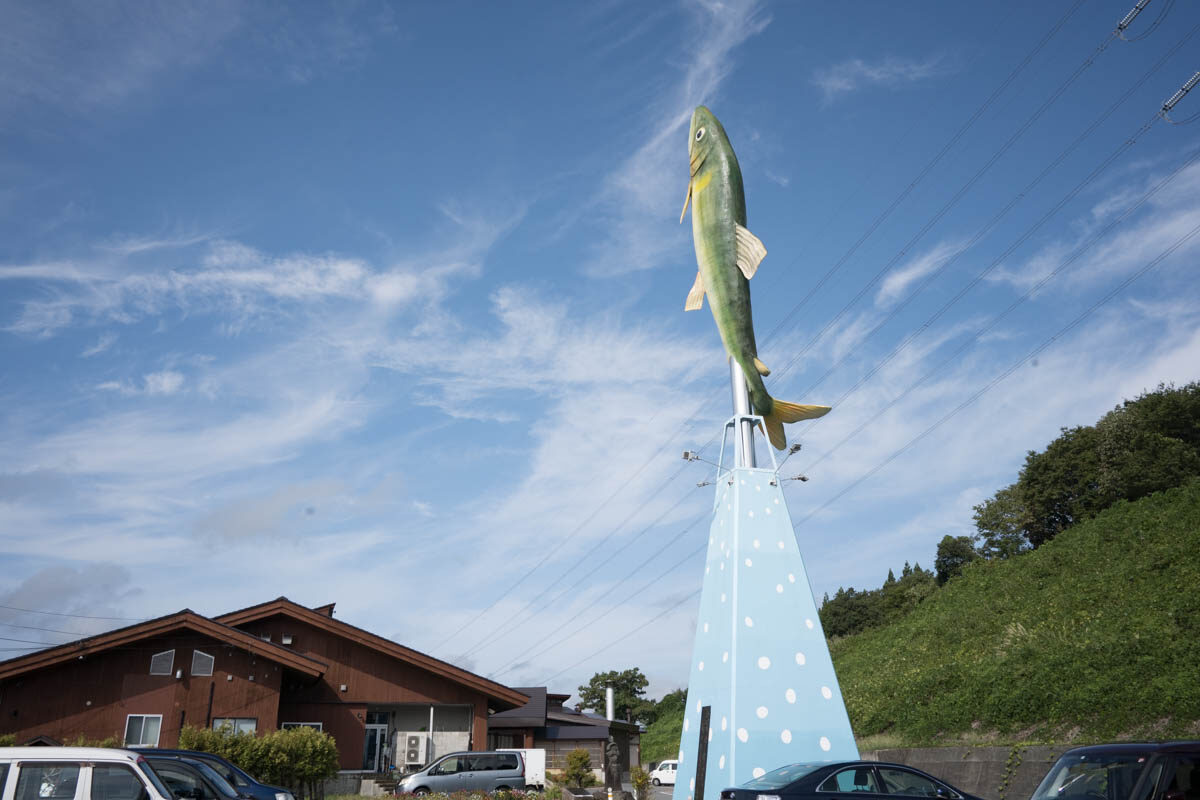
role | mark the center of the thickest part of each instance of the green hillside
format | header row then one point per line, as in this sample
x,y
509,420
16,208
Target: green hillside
x,y
1094,635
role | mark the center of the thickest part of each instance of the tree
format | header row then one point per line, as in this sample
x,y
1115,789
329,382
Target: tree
x,y
628,688
953,553
1060,486
1000,523
579,769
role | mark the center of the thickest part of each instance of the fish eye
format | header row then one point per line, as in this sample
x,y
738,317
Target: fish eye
x,y
699,134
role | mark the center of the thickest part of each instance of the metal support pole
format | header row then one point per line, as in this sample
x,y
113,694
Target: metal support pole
x,y
702,752
741,407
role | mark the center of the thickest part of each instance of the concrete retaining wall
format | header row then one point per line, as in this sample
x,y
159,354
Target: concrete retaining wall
x,y
994,773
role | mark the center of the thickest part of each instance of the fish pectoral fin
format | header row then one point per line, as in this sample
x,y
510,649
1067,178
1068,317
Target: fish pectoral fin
x,y
750,251
686,200
695,298
761,367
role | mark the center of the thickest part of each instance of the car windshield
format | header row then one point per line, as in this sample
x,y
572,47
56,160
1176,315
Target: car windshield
x,y
1092,776
778,778
227,771
215,779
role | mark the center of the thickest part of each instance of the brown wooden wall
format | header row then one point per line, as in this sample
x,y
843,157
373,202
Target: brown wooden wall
x,y
371,678
92,696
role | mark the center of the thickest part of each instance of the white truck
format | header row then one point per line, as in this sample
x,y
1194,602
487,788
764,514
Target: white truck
x,y
535,764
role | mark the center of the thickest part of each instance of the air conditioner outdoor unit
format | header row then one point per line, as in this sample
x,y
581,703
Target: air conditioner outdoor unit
x,y
414,749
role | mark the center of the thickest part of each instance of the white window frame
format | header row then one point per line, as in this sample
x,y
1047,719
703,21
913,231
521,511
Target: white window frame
x,y
232,722
170,667
212,662
144,717
283,726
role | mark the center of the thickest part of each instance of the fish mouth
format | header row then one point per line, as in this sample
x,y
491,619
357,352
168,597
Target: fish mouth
x,y
696,161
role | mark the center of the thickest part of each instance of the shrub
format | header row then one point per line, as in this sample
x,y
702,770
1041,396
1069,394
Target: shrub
x,y
578,773
641,782
8,739
298,758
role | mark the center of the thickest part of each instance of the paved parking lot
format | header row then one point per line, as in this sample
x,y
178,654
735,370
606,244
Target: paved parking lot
x,y
661,792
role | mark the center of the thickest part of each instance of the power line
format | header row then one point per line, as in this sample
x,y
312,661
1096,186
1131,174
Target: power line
x,y
1013,368
956,197
887,212
1024,192
76,616
613,589
507,630
647,623
47,630
1079,251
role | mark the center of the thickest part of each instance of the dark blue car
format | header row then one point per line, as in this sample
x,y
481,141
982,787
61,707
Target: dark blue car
x,y
238,777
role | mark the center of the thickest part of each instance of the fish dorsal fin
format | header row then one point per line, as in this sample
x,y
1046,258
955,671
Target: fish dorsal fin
x,y
750,251
695,298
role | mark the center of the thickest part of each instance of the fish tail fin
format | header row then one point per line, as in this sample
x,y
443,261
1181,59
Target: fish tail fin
x,y
783,411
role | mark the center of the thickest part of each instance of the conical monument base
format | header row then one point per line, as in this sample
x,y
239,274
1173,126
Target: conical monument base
x,y
759,662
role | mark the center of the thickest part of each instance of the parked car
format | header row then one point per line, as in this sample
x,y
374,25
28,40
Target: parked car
x,y
77,773
470,771
664,773
871,780
191,779
242,782
1127,771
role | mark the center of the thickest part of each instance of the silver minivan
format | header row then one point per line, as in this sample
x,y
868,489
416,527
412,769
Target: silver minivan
x,y
77,773
487,772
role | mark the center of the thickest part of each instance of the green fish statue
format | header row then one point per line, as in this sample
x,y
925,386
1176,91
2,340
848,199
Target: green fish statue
x,y
728,255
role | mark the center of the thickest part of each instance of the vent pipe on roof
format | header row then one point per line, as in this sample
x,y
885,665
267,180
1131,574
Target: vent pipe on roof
x,y
608,703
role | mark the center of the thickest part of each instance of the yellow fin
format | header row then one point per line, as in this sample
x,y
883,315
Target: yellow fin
x,y
695,298
686,200
783,411
761,367
750,251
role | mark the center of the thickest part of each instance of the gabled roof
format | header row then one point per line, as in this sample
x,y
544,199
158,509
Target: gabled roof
x,y
324,620
538,713
530,715
180,620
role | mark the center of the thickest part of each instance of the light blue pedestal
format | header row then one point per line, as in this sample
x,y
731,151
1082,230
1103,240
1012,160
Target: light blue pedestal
x,y
759,660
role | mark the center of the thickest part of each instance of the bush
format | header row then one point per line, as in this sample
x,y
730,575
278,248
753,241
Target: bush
x,y
83,741
8,739
298,758
578,773
641,783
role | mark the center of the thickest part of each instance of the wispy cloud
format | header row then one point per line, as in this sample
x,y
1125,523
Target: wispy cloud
x,y
903,276
102,344
855,74
639,198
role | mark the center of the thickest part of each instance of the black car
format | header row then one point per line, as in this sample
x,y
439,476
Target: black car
x,y
241,780
1127,771
865,780
190,778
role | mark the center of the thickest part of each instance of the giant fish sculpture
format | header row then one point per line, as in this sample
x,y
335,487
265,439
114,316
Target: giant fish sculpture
x,y
728,255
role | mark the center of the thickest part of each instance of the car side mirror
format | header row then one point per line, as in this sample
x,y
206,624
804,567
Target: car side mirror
x,y
944,793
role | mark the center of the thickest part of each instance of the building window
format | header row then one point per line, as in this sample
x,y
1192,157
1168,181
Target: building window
x,y
202,664
161,663
236,724
141,730
317,726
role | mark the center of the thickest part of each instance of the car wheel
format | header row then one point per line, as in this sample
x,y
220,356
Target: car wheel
x,y
503,789
656,782
421,791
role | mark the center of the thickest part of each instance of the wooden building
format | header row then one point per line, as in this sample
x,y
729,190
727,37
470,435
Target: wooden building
x,y
547,723
270,666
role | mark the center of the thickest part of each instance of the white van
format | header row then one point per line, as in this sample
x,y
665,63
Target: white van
x,y
664,773
77,773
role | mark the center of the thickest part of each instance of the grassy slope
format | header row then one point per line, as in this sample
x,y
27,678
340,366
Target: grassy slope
x,y
661,740
1092,636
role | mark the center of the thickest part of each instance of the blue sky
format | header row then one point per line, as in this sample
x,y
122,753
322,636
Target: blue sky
x,y
382,304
